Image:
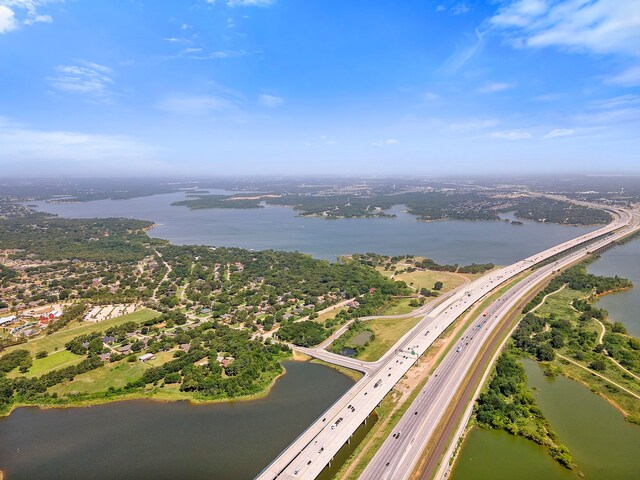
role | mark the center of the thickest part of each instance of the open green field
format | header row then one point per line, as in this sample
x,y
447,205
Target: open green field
x,y
426,279
59,359
57,340
323,317
161,358
399,306
387,332
560,304
115,375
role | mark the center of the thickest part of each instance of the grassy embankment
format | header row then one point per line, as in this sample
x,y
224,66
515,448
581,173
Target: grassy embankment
x,y
387,332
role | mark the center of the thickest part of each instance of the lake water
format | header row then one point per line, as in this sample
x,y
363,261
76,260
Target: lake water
x,y
623,306
603,444
279,228
151,440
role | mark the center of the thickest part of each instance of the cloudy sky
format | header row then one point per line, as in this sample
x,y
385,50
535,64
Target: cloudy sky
x,y
319,86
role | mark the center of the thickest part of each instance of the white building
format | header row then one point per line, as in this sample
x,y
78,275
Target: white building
x,y
8,319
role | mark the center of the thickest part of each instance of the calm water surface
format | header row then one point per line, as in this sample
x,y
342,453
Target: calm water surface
x,y
279,228
602,443
623,306
149,440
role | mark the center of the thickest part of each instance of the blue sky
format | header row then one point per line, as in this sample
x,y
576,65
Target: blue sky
x,y
319,87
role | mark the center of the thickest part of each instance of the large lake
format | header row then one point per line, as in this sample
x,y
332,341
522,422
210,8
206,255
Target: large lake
x,y
279,228
150,440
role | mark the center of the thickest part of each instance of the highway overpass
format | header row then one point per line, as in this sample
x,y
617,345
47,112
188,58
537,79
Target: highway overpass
x,y
308,455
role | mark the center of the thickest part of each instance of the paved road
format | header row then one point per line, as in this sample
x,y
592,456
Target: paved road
x,y
399,454
307,456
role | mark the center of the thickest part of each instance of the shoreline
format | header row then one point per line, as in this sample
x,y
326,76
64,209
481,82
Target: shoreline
x,y
157,395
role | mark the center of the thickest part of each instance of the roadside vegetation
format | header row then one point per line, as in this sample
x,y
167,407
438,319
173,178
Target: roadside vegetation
x,y
567,335
508,404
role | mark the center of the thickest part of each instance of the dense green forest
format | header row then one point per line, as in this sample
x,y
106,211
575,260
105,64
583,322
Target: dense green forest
x,y
53,238
507,403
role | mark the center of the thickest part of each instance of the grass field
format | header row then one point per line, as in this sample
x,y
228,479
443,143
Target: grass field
x,y
560,304
116,374
387,332
398,307
427,278
323,317
56,341
60,359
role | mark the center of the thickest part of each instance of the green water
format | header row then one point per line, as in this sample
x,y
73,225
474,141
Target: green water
x,y
603,444
497,455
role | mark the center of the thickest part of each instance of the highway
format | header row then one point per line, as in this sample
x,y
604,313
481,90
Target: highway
x,y
399,454
307,456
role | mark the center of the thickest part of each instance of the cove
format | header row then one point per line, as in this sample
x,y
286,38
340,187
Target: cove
x,y
604,446
151,440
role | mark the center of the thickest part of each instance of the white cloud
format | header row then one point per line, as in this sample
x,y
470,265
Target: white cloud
x,y
250,3
440,8
459,9
7,19
472,124
270,101
547,97
511,135
617,102
86,77
519,13
495,87
596,26
463,54
627,78
28,10
559,132
20,144
196,53
39,19
197,105
389,141
431,96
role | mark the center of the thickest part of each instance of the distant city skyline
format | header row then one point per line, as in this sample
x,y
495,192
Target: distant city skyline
x,y
250,87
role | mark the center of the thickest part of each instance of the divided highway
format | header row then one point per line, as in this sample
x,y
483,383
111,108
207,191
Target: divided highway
x,y
308,455
399,454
